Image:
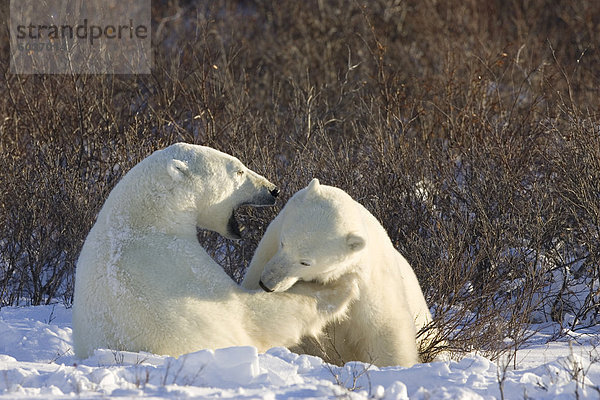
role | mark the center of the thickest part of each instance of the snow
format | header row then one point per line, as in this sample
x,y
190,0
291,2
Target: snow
x,y
36,361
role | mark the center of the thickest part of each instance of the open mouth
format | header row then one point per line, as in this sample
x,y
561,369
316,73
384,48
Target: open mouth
x,y
234,229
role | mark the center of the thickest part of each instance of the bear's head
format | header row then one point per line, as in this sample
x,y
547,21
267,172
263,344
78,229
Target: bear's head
x,y
213,184
321,238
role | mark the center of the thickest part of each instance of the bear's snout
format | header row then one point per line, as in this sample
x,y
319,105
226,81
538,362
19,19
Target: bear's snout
x,y
274,278
275,191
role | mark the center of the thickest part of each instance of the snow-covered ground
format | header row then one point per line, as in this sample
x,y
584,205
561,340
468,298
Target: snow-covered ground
x,y
36,361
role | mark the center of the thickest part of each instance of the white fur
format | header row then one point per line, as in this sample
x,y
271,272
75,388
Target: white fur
x,y
144,283
322,233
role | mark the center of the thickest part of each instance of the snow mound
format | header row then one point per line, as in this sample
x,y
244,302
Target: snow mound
x,y
36,362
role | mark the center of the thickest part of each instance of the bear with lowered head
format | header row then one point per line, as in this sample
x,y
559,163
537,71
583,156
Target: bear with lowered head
x,y
322,235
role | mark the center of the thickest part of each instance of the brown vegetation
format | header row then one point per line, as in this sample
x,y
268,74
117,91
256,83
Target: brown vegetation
x,y
469,129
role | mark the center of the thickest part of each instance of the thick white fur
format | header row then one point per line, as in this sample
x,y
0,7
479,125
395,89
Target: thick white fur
x,y
321,234
144,282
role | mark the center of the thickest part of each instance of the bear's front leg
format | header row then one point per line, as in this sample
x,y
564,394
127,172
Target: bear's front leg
x,y
392,343
283,318
333,298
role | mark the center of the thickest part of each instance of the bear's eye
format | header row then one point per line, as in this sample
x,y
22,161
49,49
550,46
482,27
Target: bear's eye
x,y
305,263
240,172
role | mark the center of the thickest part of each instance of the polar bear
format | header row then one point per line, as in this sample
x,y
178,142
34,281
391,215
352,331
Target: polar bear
x,y
144,283
322,234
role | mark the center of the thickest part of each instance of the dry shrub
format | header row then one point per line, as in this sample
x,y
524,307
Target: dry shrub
x,y
469,129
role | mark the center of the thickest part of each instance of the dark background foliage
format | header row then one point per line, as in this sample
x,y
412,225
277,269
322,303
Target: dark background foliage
x,y
470,129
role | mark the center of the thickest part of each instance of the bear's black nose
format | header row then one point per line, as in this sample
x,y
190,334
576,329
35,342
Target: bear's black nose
x,y
275,192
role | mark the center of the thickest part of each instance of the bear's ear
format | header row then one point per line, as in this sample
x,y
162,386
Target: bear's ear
x,y
178,169
313,185
355,242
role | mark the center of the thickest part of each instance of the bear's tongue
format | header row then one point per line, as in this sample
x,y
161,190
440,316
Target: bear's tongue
x,y
233,228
